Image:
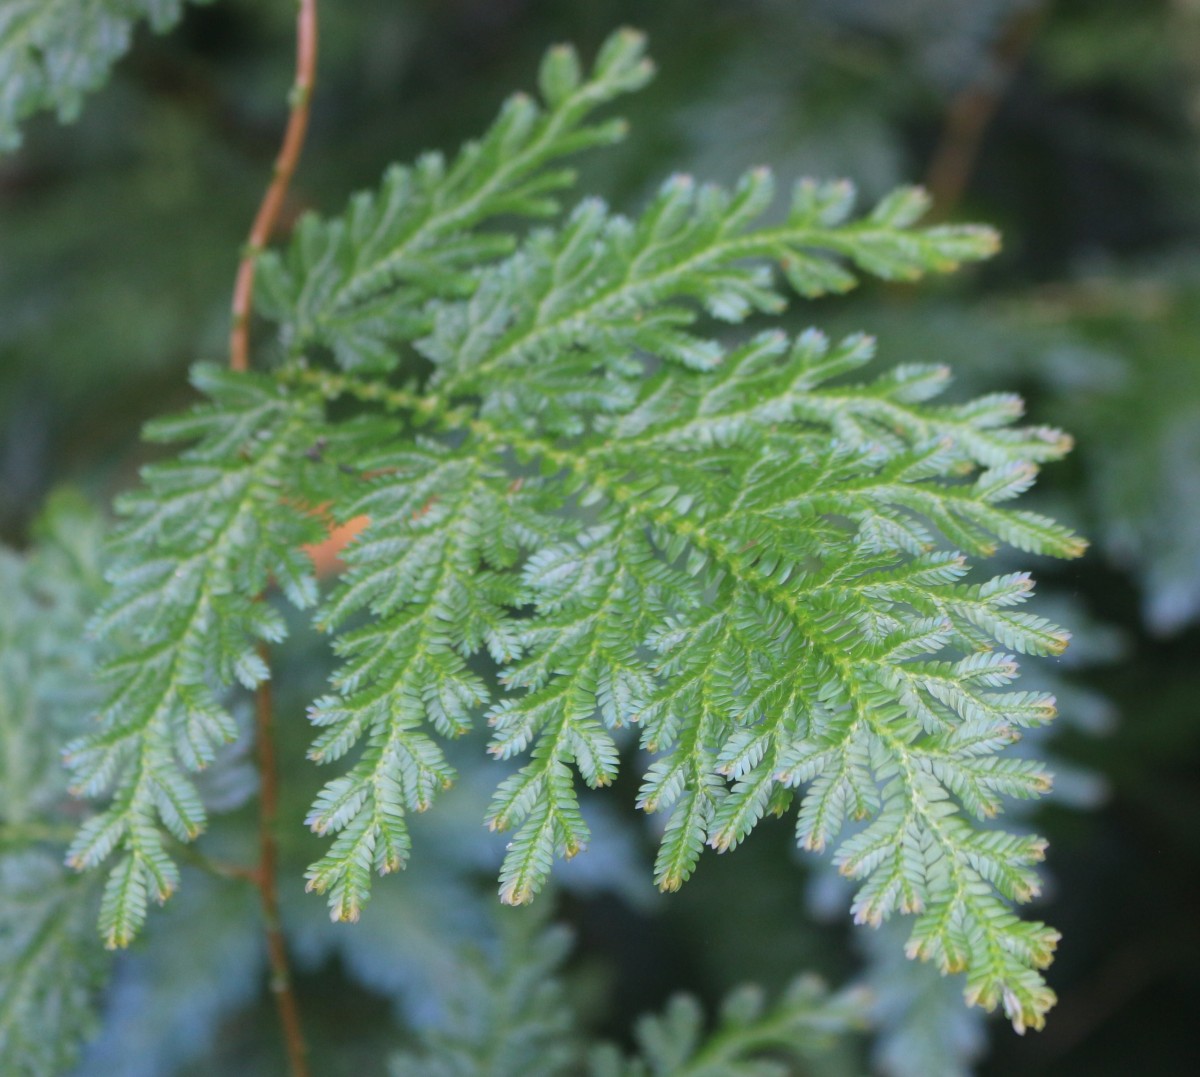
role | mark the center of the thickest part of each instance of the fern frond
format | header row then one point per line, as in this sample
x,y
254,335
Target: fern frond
x,y
54,52
774,552
750,1039
52,967
791,664
201,540
800,590
358,284
603,287
506,1014
436,515
759,561
588,295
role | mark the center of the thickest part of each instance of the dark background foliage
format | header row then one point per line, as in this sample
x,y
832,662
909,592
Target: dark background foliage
x,y
1074,126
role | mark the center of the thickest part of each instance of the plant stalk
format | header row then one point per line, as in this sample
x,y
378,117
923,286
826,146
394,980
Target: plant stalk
x,y
266,879
285,166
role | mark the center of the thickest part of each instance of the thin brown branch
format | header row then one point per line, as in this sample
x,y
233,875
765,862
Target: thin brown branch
x,y
285,166
972,110
265,878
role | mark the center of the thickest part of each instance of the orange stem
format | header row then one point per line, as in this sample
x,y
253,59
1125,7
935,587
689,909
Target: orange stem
x,y
285,167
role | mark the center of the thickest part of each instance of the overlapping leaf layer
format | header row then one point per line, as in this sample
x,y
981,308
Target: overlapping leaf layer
x,y
742,547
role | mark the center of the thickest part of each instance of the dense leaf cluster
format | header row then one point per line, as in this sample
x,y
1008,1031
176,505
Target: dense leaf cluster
x,y
572,468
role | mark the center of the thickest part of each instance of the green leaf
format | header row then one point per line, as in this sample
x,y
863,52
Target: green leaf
x,y
794,592
647,520
436,516
358,284
201,541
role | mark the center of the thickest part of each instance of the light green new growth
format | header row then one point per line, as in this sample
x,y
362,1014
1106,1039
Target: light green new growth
x,y
738,545
54,52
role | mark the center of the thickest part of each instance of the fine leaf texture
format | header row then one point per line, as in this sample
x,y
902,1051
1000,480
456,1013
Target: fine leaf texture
x,y
419,574
740,545
763,564
55,52
357,284
772,584
200,541
440,516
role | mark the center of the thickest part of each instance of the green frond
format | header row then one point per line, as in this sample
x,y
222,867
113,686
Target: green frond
x,y
750,1039
358,284
740,546
437,517
52,966
774,585
55,52
201,541
506,1013
603,287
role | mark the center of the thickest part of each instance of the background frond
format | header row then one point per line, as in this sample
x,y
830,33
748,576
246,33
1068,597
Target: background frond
x,y
52,966
55,52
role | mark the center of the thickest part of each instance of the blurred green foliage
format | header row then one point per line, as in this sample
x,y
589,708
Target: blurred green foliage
x,y
119,236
